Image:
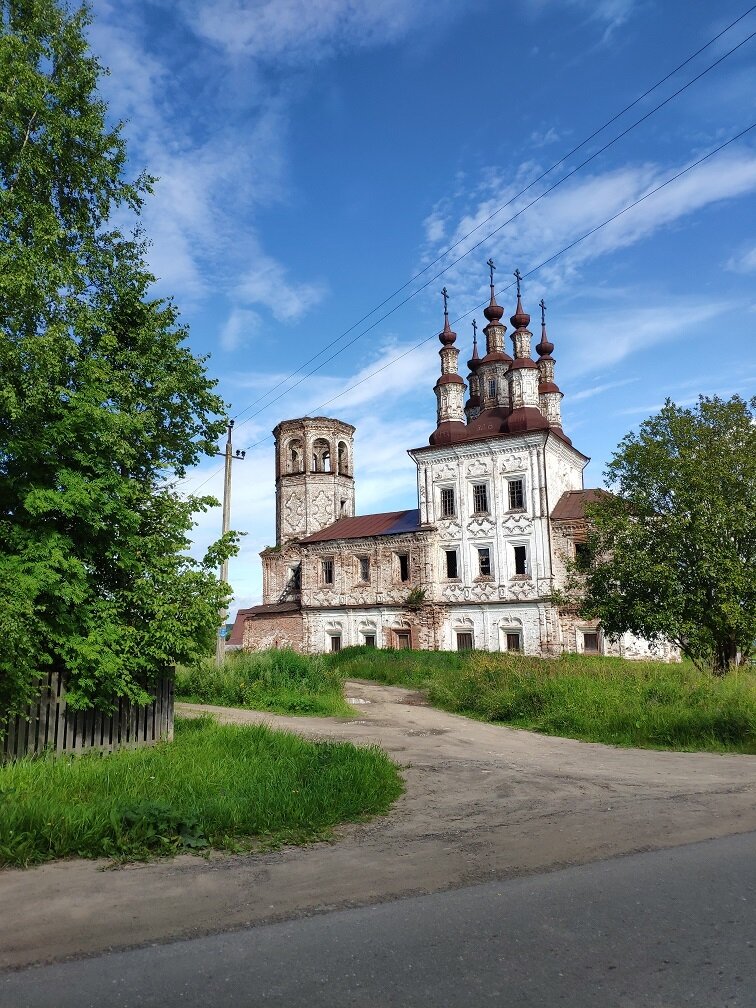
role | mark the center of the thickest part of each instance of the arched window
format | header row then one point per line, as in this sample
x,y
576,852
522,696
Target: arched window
x,y
321,455
343,459
295,456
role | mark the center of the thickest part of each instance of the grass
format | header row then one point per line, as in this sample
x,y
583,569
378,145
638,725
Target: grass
x,y
222,786
645,704
277,680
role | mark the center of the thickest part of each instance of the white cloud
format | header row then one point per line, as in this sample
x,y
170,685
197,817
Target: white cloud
x,y
240,325
580,205
265,282
743,262
303,30
594,390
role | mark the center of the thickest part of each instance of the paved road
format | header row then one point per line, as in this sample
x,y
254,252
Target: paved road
x,y
483,802
659,930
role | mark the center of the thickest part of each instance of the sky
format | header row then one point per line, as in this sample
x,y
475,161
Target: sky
x,y
318,158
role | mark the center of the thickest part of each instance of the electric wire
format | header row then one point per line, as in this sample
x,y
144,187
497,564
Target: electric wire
x,y
509,202
528,273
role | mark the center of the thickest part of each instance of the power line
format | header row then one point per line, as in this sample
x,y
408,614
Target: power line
x,y
530,272
496,212
483,240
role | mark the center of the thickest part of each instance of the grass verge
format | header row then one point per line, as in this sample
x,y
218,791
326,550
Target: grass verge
x,y
281,681
645,704
223,786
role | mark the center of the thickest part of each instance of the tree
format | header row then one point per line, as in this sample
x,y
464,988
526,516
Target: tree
x,y
673,551
102,406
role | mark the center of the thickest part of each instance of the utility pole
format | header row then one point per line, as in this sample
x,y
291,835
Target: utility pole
x,y
229,456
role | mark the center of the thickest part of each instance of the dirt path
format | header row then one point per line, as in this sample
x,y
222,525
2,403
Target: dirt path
x,y
482,802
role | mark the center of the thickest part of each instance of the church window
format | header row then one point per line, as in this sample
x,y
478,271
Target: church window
x,y
403,559
369,639
403,641
516,495
328,571
591,642
480,498
321,455
464,641
343,508
295,456
343,459
335,642
514,640
492,389
452,568
484,561
582,556
521,561
448,508
364,564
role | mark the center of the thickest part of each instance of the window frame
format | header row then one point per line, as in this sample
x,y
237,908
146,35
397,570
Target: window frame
x,y
453,552
443,508
370,640
591,633
489,560
336,642
523,495
486,499
526,572
469,635
518,635
331,562
363,576
399,567
401,635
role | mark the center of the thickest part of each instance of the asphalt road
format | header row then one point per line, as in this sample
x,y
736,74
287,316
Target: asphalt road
x,y
664,929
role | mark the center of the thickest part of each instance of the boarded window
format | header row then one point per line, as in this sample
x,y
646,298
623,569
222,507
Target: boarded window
x,y
335,642
514,641
403,641
521,560
328,571
480,498
369,639
484,561
403,559
464,641
364,568
451,564
591,643
448,509
516,495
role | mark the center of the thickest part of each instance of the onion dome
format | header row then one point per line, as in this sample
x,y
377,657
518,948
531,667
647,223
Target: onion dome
x,y
545,347
493,312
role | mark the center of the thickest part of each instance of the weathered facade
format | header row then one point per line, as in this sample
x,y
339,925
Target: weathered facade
x,y
500,507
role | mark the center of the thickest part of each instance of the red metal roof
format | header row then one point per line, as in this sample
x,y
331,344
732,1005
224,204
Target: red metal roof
x,y
571,505
362,526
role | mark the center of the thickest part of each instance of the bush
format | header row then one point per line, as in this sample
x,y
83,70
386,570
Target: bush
x,y
275,680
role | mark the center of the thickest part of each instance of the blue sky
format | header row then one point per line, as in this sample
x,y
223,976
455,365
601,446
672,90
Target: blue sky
x,y
314,155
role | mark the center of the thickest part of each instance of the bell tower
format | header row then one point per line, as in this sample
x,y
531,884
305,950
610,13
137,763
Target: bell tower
x,y
314,475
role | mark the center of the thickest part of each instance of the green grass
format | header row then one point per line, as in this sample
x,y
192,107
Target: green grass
x,y
222,786
277,680
645,704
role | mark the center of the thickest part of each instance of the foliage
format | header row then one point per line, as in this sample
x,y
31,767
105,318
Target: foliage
x,y
415,598
276,680
101,404
229,787
673,554
646,704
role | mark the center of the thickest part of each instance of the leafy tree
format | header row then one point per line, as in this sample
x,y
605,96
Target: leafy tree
x,y
673,552
102,406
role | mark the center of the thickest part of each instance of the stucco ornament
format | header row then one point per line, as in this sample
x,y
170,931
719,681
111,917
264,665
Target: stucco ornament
x,y
295,514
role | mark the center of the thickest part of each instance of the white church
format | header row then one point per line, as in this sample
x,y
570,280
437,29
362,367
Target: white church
x,y
500,506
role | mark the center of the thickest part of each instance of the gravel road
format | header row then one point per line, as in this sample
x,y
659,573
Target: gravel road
x,y
483,802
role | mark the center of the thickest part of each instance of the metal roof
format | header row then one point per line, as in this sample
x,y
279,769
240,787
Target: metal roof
x,y
363,526
571,505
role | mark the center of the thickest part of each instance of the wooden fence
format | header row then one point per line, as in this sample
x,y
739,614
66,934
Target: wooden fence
x,y
50,726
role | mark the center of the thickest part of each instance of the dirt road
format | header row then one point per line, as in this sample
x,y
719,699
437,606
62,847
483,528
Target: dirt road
x,y
482,802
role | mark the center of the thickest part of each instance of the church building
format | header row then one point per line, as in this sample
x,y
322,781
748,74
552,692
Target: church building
x,y
500,506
